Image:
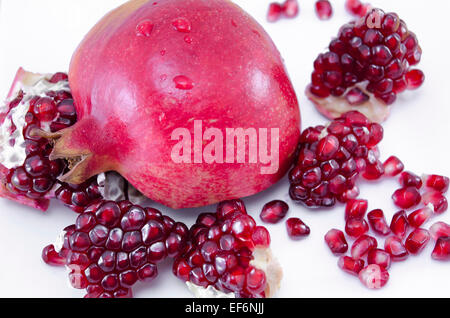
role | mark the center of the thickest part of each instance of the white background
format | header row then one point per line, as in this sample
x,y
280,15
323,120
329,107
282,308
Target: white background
x,y
41,35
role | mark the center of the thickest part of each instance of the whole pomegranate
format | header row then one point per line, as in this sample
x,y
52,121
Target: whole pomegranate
x,y
148,68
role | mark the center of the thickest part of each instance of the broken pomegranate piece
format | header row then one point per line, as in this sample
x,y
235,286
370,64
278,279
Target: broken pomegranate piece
x,y
113,245
225,257
331,158
35,103
372,55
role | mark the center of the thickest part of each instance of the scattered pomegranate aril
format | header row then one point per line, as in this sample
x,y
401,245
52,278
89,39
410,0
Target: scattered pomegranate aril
x,y
436,182
378,222
274,211
324,10
229,253
409,179
374,276
52,257
406,198
436,201
350,265
336,241
417,240
113,245
327,166
379,257
363,245
356,227
296,228
274,12
399,224
357,8
441,251
419,217
415,79
374,59
439,229
393,166
394,246
356,209
290,8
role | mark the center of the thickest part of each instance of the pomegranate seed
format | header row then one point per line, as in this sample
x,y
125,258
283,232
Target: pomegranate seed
x,y
393,166
436,182
406,198
356,209
379,257
356,227
363,245
373,276
261,237
274,211
274,13
355,7
51,257
436,201
324,10
394,246
417,240
290,8
336,241
399,224
441,251
296,228
415,79
378,222
419,217
439,229
373,171
409,179
355,97
350,265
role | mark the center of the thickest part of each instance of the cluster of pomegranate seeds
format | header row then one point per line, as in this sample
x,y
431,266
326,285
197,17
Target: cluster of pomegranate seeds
x,y
274,211
324,10
52,112
113,245
331,158
287,9
221,251
379,50
78,197
357,8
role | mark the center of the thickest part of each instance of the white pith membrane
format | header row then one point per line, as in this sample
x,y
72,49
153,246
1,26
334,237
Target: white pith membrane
x,y
12,146
264,260
334,107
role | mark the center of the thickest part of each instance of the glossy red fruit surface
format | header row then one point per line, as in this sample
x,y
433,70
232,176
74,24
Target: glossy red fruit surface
x,y
374,276
132,130
399,224
363,245
274,211
324,10
393,166
437,182
435,200
356,209
394,246
439,229
441,251
419,217
350,265
379,257
406,198
417,240
378,222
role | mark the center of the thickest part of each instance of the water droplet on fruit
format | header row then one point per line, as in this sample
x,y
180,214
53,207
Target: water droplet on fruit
x,y
183,82
144,28
188,39
163,52
233,23
182,25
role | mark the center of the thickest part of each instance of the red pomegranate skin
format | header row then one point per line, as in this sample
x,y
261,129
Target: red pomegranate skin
x,y
128,103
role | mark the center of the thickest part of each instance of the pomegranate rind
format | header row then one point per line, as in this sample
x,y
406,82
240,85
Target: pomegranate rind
x,y
334,107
